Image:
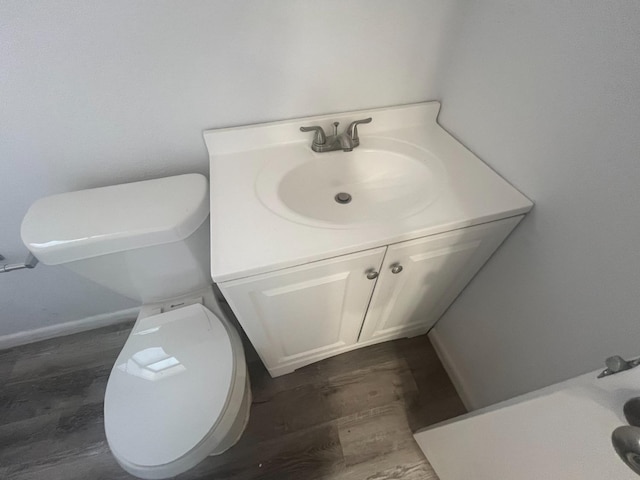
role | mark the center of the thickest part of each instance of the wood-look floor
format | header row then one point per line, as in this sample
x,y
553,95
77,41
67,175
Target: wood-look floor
x,y
349,417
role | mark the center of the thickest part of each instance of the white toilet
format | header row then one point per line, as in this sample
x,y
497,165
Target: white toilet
x,y
179,390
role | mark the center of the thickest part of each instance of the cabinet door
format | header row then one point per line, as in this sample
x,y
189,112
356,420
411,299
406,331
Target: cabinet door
x,y
430,273
299,315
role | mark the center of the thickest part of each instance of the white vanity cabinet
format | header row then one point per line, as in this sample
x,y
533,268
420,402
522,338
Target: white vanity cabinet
x,y
299,315
423,206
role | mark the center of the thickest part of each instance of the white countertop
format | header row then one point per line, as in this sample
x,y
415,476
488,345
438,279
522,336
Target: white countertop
x,y
562,432
247,238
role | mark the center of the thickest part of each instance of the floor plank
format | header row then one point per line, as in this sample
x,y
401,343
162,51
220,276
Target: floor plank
x,y
348,417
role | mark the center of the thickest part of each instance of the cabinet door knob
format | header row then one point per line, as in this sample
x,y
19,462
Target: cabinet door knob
x,y
372,274
396,268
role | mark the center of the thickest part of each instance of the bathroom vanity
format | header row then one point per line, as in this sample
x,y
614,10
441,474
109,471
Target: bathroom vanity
x,y
321,253
562,432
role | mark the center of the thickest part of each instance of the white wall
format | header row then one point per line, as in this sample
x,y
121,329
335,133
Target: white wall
x,y
95,93
548,94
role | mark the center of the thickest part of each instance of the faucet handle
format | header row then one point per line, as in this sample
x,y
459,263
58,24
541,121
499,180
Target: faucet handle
x,y
320,138
352,130
617,364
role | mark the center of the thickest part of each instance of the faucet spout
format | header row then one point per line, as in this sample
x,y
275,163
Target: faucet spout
x,y
346,142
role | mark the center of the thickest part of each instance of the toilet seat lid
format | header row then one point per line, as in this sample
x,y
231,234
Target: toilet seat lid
x,y
169,386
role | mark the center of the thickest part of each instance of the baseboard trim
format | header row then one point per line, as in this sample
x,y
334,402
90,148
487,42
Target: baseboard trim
x,y
67,328
452,370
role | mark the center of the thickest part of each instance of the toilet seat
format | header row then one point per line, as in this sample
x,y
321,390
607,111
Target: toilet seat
x,y
174,389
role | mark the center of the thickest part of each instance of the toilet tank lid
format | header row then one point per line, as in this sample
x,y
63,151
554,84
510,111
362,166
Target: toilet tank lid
x,y
98,221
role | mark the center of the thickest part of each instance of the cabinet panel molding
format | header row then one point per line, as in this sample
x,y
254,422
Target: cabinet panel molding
x,y
300,315
434,271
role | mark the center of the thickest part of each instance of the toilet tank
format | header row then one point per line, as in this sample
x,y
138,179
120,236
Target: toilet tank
x,y
146,240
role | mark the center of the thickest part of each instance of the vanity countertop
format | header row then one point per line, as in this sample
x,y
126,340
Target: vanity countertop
x,y
248,238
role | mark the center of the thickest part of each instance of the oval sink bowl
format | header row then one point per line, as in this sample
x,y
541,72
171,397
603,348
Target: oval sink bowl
x,y
382,180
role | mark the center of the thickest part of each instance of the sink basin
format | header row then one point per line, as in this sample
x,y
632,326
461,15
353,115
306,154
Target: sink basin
x,y
382,180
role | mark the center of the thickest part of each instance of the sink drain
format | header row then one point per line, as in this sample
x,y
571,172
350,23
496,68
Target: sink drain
x,y
343,197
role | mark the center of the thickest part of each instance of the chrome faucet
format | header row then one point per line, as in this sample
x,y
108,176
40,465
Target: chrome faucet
x,y
346,141
617,364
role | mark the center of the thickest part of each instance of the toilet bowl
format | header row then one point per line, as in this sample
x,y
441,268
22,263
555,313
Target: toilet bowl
x,y
179,390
